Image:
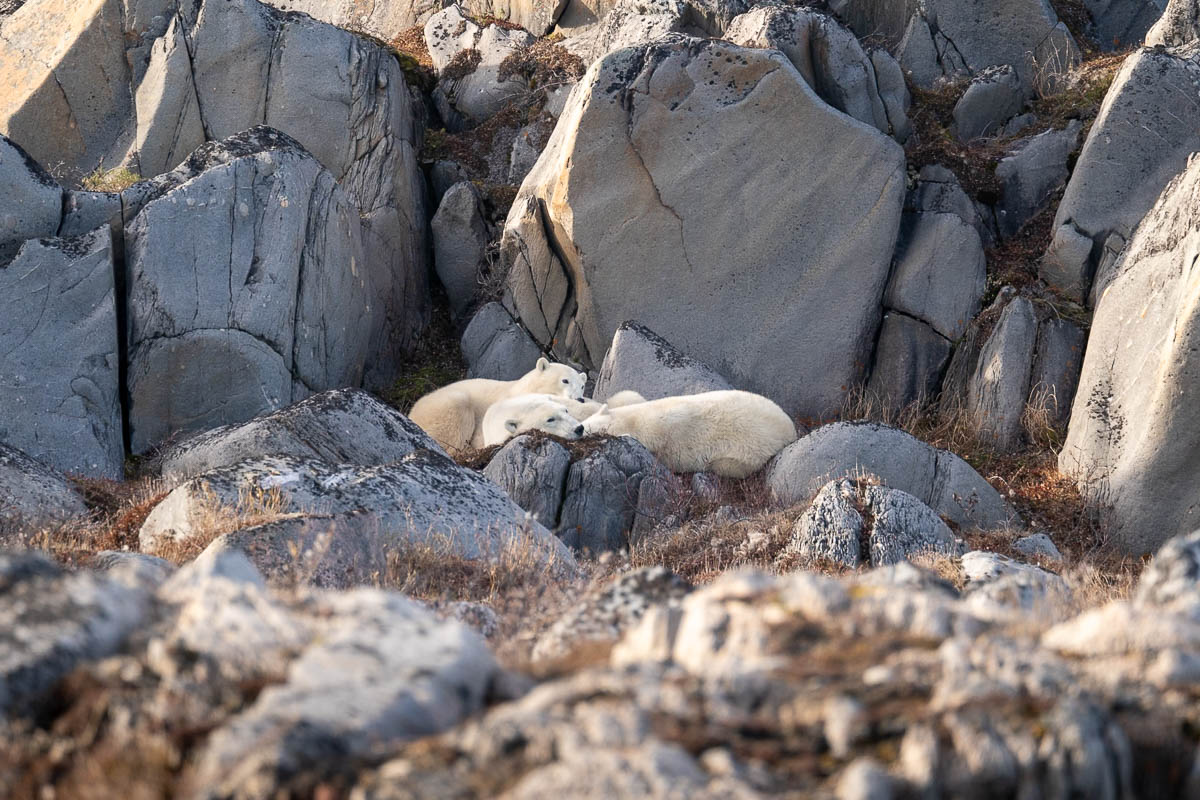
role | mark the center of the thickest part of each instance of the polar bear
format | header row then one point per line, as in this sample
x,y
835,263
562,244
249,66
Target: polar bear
x,y
530,412
453,415
586,406
731,433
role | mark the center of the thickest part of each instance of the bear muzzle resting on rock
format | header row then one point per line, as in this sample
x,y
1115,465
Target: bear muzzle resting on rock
x,y
453,415
530,412
731,433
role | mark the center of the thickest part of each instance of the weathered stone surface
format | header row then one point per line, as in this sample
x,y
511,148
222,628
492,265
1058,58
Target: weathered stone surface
x,y
850,514
993,97
31,492
829,57
1117,24
33,204
59,357
1031,173
421,499
999,389
495,346
607,612
909,360
169,125
134,569
51,620
642,361
1038,545
413,675
940,272
477,92
601,503
608,163
1179,24
629,23
460,240
1172,578
1120,171
941,39
281,302
938,478
383,20
1067,264
1132,442
533,473
341,426
1057,361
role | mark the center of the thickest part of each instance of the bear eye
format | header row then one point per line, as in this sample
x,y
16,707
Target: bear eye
x,y
550,420
565,380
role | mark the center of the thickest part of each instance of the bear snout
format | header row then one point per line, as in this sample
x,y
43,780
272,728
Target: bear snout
x,y
579,430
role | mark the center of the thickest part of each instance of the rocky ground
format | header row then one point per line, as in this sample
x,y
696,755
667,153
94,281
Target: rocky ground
x,y
954,241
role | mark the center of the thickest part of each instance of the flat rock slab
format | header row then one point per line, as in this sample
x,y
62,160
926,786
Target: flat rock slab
x,y
341,426
938,478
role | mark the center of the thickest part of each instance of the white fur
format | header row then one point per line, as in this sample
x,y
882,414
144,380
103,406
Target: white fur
x,y
529,412
626,397
587,406
453,415
731,433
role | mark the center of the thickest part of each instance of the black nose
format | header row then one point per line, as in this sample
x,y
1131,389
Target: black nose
x,y
579,430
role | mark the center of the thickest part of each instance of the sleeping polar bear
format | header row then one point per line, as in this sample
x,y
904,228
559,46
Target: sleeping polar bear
x,y
530,412
453,415
731,433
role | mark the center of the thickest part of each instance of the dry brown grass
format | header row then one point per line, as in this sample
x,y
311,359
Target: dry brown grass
x,y
117,179
543,64
435,362
212,518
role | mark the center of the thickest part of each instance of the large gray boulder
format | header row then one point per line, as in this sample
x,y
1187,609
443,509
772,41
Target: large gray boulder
x,y
460,240
280,303
909,360
383,20
938,478
59,356
940,39
642,361
831,60
627,147
999,388
1121,171
423,499
341,426
32,493
1031,173
33,205
533,472
143,84
1117,24
468,59
940,272
1057,361
1179,24
51,621
495,346
630,23
993,97
1132,443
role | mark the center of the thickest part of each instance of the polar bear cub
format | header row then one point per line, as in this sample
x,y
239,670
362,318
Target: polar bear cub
x,y
530,412
453,415
731,433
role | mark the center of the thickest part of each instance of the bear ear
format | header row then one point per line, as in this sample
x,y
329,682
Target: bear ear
x,y
602,410
511,426
542,364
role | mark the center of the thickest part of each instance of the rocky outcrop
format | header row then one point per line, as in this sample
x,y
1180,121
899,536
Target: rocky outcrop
x,y
642,361
938,478
999,388
1031,173
993,97
1132,441
1120,171
495,346
847,194
468,59
93,85
909,360
383,20
533,472
422,499
460,241
282,302
832,62
32,493
948,39
341,426
59,355
1117,24
34,207
1179,24
851,522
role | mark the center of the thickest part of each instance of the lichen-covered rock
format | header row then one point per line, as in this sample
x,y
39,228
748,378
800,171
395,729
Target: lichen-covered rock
x,y
1179,24
469,58
938,478
1132,441
341,426
609,162
423,499
642,361
281,303
32,493
1172,578
495,346
59,355
607,612
853,523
